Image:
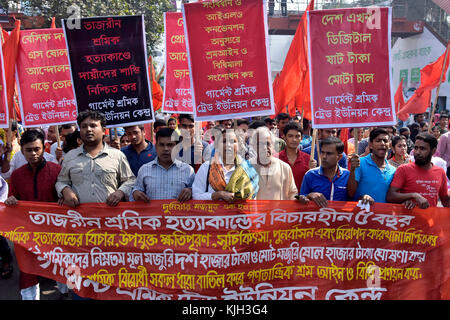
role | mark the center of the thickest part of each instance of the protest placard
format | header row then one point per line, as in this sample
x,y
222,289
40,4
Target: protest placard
x,y
108,61
43,78
229,60
4,113
177,87
350,69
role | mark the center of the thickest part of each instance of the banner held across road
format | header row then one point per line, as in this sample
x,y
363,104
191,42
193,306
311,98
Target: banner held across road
x,y
260,250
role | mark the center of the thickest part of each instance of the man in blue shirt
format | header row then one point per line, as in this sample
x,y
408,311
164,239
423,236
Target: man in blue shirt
x,y
372,174
329,181
321,135
139,151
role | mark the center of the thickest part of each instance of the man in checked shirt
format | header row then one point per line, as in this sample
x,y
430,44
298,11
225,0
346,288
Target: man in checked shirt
x,y
165,177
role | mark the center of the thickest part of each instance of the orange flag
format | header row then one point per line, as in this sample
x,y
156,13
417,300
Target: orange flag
x,y
344,138
10,48
429,79
295,67
157,91
53,26
398,98
431,73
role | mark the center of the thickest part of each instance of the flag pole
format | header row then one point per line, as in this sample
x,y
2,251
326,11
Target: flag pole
x,y
433,108
313,144
58,139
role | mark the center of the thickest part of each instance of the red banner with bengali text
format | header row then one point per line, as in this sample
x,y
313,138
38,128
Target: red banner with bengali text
x,y
229,61
350,69
4,112
177,87
43,78
251,250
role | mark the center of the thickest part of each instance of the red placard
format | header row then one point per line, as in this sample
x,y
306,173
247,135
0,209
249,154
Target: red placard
x,y
350,69
4,114
43,78
228,56
252,250
177,87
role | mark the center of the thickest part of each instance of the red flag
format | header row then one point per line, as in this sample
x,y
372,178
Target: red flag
x,y
295,67
431,73
398,98
418,103
10,48
344,138
303,98
157,92
429,79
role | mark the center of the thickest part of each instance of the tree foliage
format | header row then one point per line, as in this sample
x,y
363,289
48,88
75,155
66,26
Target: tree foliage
x,y
61,9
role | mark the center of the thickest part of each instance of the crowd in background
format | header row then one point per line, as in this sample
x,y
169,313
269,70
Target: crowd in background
x,y
227,160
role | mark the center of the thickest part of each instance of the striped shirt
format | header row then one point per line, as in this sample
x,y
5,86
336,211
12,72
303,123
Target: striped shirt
x,y
160,183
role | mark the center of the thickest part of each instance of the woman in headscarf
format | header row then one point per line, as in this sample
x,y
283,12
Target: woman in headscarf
x,y
226,176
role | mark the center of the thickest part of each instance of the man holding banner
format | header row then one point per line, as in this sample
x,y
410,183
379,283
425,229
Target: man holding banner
x,y
164,177
421,182
94,172
34,181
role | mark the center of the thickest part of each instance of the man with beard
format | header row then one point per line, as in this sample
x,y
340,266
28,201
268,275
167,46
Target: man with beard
x,y
420,183
372,174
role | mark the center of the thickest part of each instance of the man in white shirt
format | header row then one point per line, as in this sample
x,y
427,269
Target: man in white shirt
x,y
276,181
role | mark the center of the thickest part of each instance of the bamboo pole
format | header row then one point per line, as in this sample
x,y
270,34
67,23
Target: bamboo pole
x,y
433,109
58,139
313,144
160,73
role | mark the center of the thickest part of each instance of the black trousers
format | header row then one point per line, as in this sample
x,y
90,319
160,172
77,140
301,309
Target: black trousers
x,y
5,251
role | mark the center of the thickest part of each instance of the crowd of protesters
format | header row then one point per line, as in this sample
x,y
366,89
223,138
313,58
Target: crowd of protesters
x,y
227,160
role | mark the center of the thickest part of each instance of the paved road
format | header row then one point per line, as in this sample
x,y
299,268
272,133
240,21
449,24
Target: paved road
x,y
9,289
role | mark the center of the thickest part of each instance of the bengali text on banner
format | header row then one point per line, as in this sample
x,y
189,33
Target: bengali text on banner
x,y
168,250
43,78
349,54
108,61
177,87
229,62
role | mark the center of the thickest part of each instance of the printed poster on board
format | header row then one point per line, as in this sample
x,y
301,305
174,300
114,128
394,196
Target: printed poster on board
x,y
229,60
108,60
350,69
